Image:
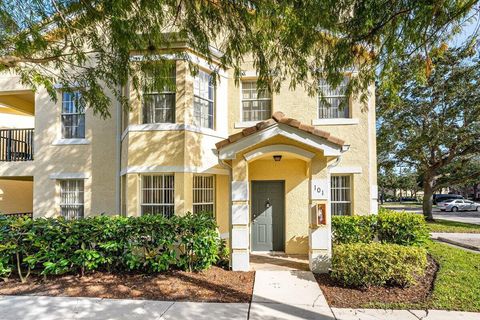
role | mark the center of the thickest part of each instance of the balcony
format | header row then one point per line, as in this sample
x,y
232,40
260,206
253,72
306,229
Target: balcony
x,y
16,145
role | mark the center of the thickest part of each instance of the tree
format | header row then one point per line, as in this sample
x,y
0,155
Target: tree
x,y
88,45
436,126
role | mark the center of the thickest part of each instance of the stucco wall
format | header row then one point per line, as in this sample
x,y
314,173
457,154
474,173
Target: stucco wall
x,y
16,196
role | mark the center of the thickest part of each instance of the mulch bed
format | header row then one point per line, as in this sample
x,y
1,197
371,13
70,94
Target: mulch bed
x,y
345,297
213,285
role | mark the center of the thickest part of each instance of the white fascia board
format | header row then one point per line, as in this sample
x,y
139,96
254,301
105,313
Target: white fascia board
x,y
329,150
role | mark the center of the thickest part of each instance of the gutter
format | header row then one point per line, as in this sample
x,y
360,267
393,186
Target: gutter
x,y
225,165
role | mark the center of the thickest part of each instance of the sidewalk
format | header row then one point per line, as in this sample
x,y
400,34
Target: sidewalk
x,y
278,295
470,241
62,308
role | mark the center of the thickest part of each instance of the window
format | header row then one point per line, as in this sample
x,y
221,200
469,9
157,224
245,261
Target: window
x,y
340,194
159,106
71,199
73,118
256,104
203,194
337,101
158,194
203,102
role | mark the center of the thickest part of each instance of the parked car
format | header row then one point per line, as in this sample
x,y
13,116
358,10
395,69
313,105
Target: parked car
x,y
437,198
455,205
409,199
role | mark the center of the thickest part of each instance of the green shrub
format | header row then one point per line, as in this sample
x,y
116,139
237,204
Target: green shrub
x,y
388,226
401,228
149,243
377,264
352,229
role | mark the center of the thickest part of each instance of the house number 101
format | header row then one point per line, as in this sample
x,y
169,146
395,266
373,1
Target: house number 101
x,y
319,189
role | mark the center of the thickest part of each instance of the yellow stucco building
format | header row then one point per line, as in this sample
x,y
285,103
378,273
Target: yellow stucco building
x,y
271,167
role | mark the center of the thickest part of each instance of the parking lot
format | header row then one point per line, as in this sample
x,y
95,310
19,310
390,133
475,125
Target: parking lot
x,y
461,216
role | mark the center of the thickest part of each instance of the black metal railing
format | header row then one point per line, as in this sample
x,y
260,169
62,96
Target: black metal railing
x,y
18,215
16,144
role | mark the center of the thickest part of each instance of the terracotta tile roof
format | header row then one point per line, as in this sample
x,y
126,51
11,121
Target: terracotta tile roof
x,y
279,117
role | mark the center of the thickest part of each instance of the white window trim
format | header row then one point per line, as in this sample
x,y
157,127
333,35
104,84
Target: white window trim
x,y
163,92
213,101
245,124
78,204
61,124
335,121
349,106
69,175
350,188
345,170
212,189
142,189
73,141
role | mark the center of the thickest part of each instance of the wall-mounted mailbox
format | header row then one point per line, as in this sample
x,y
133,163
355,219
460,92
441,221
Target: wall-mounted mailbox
x,y
319,214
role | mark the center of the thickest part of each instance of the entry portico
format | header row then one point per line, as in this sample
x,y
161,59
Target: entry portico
x,y
279,177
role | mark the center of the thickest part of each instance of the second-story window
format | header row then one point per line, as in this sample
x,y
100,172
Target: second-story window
x,y
159,105
203,103
336,105
256,104
73,118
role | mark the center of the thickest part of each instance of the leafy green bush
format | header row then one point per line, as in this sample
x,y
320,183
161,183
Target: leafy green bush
x,y
352,229
377,264
149,243
401,228
388,226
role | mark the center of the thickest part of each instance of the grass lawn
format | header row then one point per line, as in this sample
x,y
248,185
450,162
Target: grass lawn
x,y
457,285
453,226
403,204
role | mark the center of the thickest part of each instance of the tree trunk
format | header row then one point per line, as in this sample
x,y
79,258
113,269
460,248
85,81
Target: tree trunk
x,y
428,199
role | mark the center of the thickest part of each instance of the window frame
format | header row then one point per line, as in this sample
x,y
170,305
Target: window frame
x,y
350,193
211,86
78,113
168,207
168,91
78,192
251,99
346,112
211,189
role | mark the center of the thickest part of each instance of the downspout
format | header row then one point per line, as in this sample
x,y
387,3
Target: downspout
x,y
118,162
225,165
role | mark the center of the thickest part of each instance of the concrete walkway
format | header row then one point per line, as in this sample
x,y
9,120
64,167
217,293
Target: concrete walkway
x,y
288,295
63,308
469,241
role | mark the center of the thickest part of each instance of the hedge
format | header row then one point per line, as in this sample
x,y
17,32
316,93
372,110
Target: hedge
x,y
377,264
352,229
388,227
402,228
149,243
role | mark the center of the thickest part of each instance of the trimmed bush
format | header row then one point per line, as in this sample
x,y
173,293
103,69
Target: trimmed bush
x,y
149,243
352,229
388,226
401,228
377,264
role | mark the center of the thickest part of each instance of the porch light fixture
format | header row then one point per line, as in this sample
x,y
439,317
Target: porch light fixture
x,y
277,157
